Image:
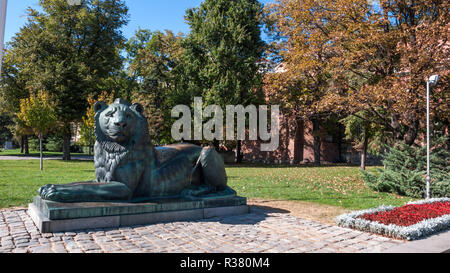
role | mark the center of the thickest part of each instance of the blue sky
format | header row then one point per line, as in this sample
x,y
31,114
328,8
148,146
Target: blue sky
x,y
149,14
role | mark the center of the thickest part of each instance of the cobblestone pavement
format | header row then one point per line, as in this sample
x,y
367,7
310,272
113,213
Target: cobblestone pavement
x,y
258,231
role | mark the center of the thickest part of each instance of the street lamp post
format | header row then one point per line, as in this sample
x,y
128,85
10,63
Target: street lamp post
x,y
432,81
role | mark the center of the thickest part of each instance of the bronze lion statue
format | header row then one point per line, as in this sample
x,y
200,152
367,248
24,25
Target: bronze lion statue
x,y
129,168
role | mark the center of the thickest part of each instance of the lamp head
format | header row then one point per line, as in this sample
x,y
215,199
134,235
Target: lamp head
x,y
433,80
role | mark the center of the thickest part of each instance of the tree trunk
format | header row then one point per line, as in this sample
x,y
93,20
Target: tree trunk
x,y
339,144
396,128
316,127
238,151
299,142
40,152
364,149
26,146
411,134
22,144
66,142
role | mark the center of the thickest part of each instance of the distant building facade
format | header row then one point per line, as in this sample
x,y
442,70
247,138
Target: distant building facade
x,y
297,146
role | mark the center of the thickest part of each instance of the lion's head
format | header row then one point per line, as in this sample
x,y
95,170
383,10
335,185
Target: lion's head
x,y
120,123
122,135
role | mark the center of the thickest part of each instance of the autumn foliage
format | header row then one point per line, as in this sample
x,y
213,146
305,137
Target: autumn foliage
x,y
347,56
37,112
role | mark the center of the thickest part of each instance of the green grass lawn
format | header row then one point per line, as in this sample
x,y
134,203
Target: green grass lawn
x,y
16,152
332,185
20,179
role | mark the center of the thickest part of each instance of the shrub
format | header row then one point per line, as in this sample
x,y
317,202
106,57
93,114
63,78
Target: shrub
x,y
86,150
405,171
54,144
33,144
76,148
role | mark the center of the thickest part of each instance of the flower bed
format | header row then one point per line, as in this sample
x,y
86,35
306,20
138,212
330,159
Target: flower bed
x,y
410,222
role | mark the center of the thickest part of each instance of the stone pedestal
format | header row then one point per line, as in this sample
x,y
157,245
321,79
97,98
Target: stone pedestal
x,y
61,217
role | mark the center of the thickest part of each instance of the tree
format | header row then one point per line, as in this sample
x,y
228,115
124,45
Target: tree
x,y
87,128
364,134
12,90
21,133
37,112
382,56
156,62
68,51
120,84
357,55
302,41
405,170
223,52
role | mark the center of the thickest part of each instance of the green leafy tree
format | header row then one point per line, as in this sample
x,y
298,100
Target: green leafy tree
x,y
223,53
13,89
364,134
37,112
156,62
21,134
120,84
68,51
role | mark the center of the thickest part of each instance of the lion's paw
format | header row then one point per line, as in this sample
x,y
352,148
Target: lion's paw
x,y
55,193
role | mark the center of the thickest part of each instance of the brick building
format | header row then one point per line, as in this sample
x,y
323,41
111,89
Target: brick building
x,y
297,145
297,141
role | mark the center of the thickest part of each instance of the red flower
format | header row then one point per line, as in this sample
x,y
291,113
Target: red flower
x,y
410,214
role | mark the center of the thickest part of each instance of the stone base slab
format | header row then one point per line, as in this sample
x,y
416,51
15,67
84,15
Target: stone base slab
x,y
52,217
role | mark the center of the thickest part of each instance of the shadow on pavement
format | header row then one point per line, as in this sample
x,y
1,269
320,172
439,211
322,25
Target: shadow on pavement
x,y
256,215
